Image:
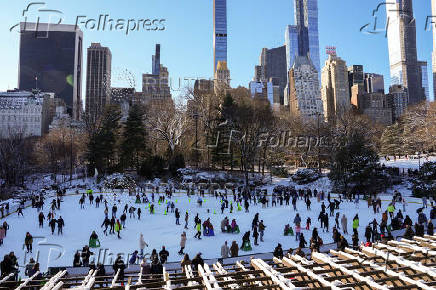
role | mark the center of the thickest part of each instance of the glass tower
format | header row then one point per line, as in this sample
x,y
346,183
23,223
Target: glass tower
x,y
302,39
404,66
291,42
306,18
219,31
51,60
424,78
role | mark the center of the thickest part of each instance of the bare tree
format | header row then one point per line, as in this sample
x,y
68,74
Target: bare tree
x,y
168,123
14,157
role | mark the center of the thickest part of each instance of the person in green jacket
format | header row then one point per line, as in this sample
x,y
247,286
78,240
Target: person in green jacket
x,y
198,228
391,209
355,223
118,228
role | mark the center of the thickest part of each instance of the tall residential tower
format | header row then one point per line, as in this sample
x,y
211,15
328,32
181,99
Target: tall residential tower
x,y
433,12
98,79
51,61
219,32
306,20
334,88
404,65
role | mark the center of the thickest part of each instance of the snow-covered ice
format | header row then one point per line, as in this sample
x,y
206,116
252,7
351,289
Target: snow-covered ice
x,y
160,229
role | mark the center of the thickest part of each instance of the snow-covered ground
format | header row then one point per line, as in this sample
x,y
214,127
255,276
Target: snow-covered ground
x,y
160,230
407,163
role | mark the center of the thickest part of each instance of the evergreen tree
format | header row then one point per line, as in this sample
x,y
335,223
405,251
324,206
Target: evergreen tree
x,y
354,163
221,135
133,146
102,145
391,140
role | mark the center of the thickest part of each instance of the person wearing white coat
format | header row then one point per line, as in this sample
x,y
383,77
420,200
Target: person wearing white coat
x,y
344,224
225,251
182,242
142,244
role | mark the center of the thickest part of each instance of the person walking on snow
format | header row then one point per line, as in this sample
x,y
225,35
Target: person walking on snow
x,y
52,224
118,228
344,224
177,214
308,223
255,236
28,241
182,243
142,245
186,220
198,227
61,224
297,220
391,209
261,230
225,250
355,223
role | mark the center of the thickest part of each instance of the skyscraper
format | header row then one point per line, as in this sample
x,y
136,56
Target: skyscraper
x,y
221,78
291,43
400,99
51,60
273,66
306,20
304,97
155,86
156,61
401,34
302,39
219,32
335,93
423,72
433,12
98,79
374,83
355,80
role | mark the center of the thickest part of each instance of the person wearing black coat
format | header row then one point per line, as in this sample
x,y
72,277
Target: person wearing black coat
x,y
163,255
368,234
61,224
419,230
76,260
198,260
86,253
255,236
156,266
342,244
53,222
119,265
409,233
101,271
303,242
407,221
278,252
6,266
430,229
355,239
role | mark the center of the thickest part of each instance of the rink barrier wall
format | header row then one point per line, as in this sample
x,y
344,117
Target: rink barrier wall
x,y
81,271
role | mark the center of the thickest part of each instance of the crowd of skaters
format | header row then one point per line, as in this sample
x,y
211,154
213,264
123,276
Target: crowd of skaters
x,y
235,199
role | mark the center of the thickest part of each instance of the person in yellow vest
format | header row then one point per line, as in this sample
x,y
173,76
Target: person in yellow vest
x,y
118,228
355,223
391,209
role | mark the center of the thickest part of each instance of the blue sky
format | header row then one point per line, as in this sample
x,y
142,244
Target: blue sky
x,y
187,40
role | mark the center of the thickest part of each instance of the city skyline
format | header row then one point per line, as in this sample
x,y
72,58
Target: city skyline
x,y
137,62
